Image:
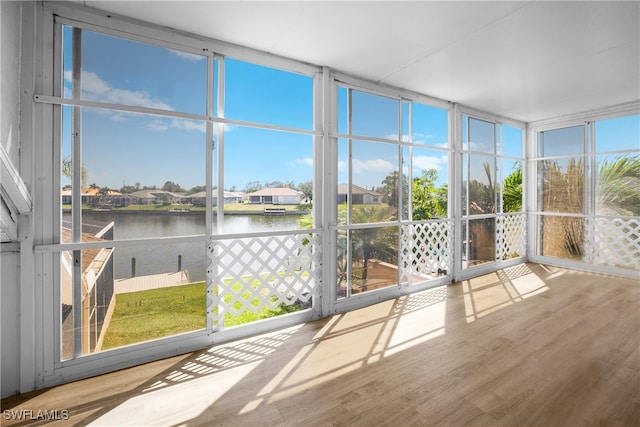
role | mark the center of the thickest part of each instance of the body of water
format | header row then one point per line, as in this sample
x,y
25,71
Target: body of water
x,y
164,258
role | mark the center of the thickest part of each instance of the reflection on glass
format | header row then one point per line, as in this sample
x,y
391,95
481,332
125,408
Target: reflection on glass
x,y
481,183
374,258
618,185
561,185
561,237
267,95
479,241
560,142
622,133
120,71
481,136
133,294
374,115
430,125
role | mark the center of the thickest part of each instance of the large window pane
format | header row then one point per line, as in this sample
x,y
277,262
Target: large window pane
x,y
622,133
430,169
511,141
267,95
481,183
511,186
561,237
149,291
139,169
126,72
273,168
375,180
375,258
618,185
561,185
561,142
373,115
479,242
430,125
481,136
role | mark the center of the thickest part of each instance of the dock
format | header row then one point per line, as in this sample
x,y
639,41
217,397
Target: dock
x,y
274,211
153,281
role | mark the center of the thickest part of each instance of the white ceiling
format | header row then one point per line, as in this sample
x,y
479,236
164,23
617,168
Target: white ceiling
x,y
525,60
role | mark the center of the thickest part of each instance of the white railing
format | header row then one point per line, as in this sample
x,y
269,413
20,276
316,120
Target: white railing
x,y
613,242
254,273
510,236
426,250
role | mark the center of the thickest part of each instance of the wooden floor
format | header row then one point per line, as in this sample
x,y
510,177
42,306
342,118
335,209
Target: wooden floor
x,y
529,345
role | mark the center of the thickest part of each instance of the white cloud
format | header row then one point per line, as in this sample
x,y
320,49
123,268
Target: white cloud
x,y
185,124
376,165
307,161
429,162
342,165
158,126
96,89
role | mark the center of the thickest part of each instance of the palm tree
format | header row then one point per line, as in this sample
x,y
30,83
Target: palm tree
x,y
618,186
67,170
375,242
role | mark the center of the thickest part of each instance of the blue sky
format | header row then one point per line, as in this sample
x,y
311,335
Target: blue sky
x,y
125,148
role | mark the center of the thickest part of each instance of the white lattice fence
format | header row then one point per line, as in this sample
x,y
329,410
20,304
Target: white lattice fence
x,y
510,236
613,242
426,249
262,272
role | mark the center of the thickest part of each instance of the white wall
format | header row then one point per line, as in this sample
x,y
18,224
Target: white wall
x,y
10,47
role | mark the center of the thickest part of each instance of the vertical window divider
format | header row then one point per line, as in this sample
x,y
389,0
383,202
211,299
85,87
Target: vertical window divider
x,y
400,191
77,192
210,148
349,192
220,134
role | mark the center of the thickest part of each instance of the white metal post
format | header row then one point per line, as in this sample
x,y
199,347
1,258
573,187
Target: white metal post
x,y
329,185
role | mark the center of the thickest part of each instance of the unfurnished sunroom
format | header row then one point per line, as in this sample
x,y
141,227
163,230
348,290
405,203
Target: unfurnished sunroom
x,y
471,138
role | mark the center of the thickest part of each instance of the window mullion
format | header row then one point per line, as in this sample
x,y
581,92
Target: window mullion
x,y
76,206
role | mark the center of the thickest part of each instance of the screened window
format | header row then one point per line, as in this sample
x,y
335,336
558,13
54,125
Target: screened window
x,y
392,170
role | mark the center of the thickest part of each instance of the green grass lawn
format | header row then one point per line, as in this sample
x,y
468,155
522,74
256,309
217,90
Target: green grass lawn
x,y
156,313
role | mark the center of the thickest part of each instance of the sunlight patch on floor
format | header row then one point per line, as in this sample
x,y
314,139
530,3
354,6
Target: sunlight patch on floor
x,y
178,403
492,292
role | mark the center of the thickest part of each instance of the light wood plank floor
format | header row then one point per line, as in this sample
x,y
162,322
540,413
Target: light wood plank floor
x,y
526,346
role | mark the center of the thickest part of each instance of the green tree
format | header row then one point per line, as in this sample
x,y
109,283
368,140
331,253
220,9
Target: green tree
x,y
481,194
374,242
197,189
172,187
390,188
428,200
512,190
253,186
307,188
128,189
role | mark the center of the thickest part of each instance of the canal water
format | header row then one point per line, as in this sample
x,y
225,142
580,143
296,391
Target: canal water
x,y
169,257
